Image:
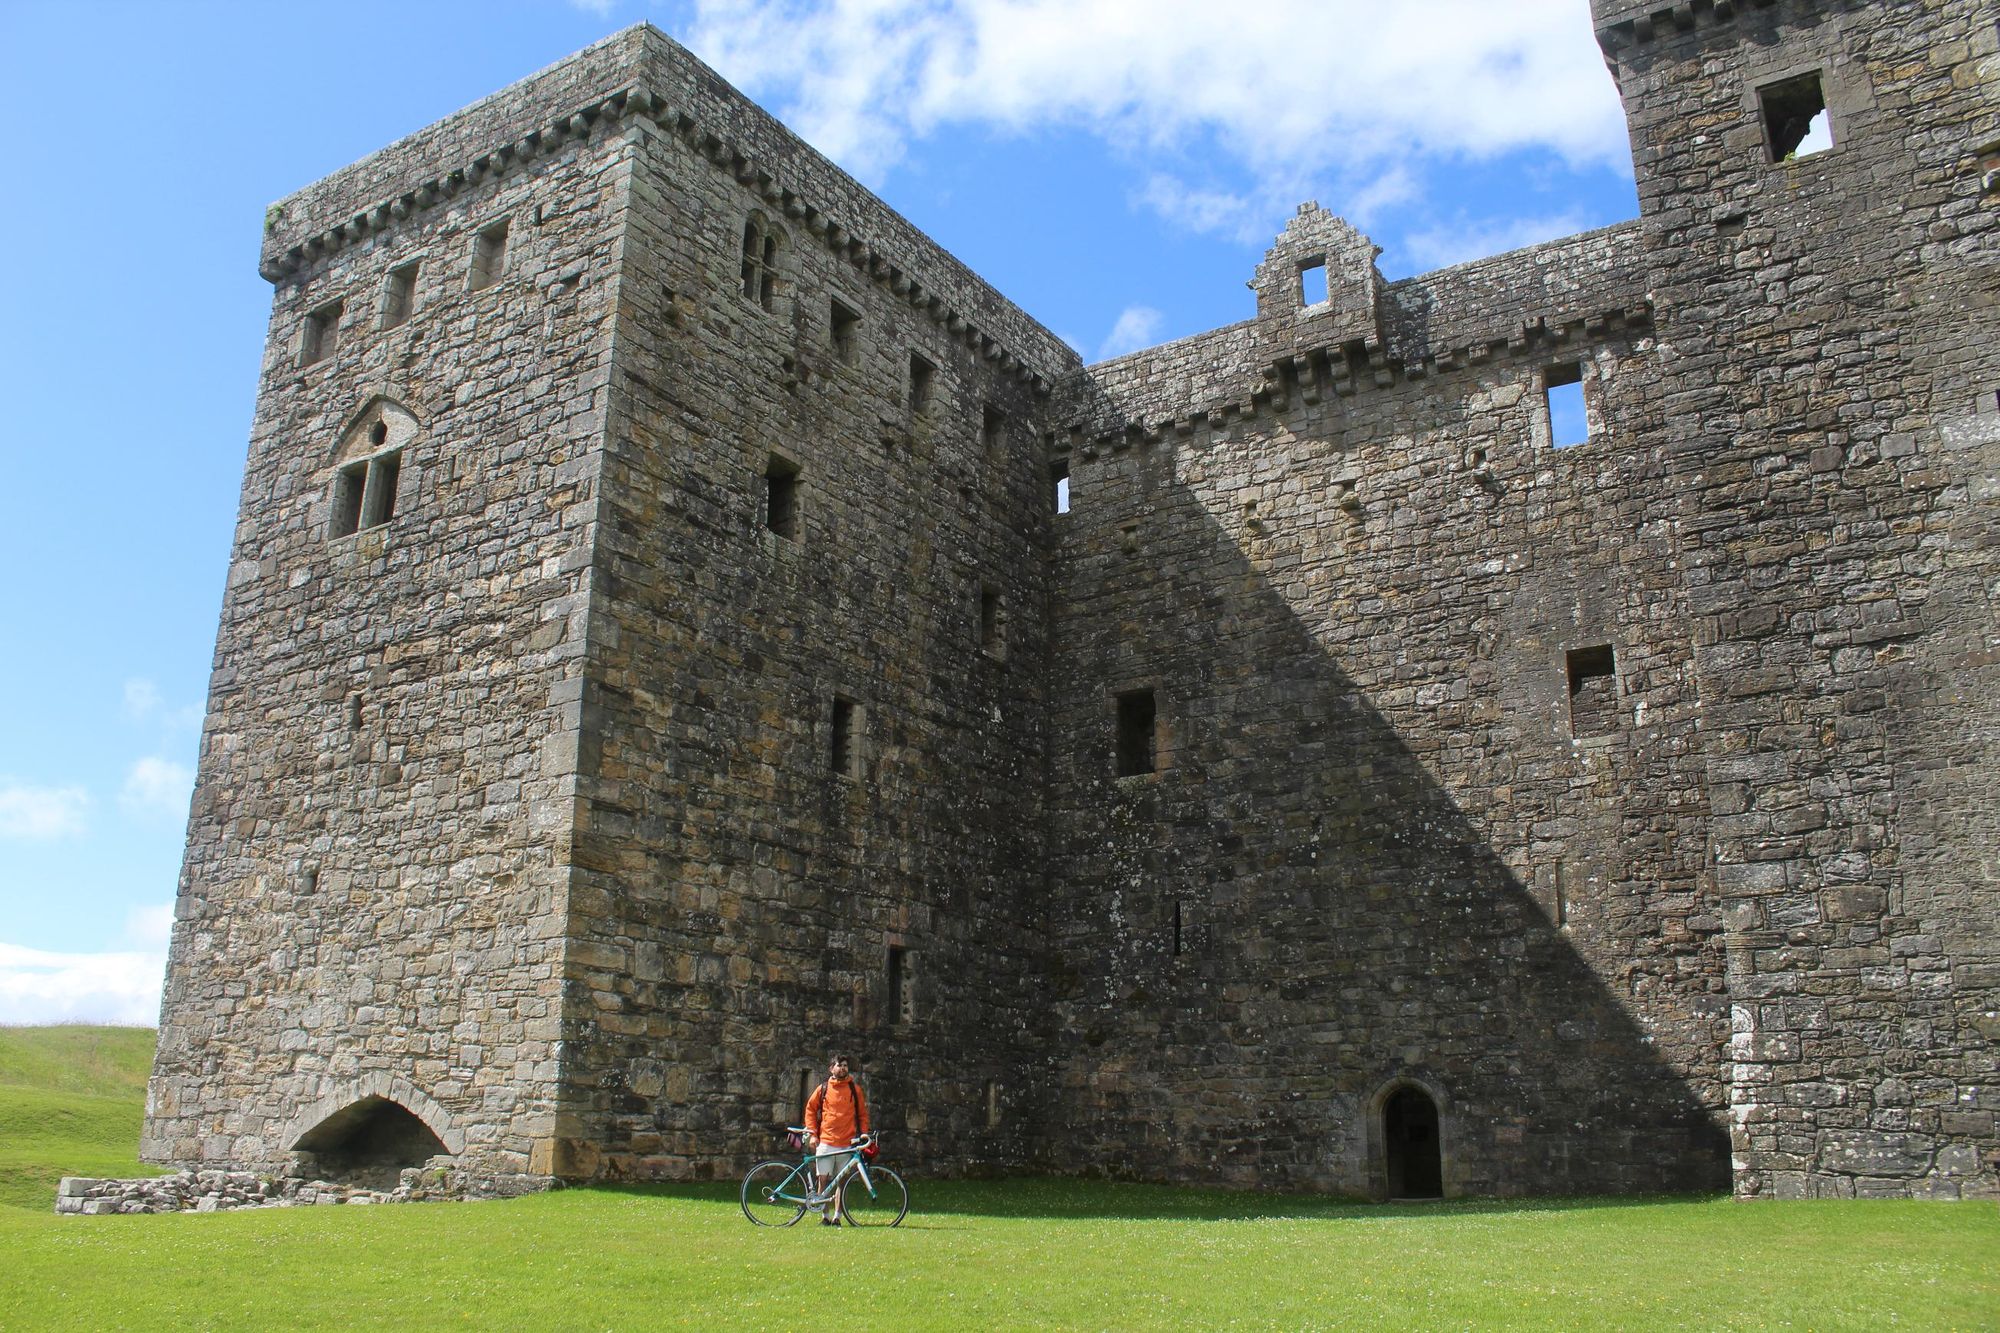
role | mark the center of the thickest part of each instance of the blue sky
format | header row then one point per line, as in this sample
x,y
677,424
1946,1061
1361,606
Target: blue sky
x,y
1117,167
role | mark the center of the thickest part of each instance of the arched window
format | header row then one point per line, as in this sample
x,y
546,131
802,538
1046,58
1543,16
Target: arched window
x,y
763,252
368,468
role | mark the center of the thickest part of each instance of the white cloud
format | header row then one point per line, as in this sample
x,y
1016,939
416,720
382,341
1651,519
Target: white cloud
x,y
40,812
1286,87
1466,239
150,927
41,987
1138,327
142,698
155,786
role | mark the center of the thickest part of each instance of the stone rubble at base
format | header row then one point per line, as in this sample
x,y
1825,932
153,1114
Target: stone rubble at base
x,y
227,1191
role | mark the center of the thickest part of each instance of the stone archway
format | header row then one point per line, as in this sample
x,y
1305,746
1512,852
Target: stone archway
x,y
1412,1147
367,1132
369,1143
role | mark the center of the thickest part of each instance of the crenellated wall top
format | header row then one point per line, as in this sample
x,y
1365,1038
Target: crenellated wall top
x,y
642,77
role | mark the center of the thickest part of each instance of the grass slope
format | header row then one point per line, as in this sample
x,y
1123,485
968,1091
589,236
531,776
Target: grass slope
x,y
71,1099
1018,1254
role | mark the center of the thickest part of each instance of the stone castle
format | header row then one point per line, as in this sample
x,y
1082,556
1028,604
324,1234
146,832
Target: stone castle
x,y
1524,728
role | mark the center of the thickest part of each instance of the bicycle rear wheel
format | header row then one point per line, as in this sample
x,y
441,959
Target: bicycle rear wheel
x,y
884,1206
774,1193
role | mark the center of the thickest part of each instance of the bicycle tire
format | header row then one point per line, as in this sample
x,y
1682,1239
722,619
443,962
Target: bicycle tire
x,y
885,1206
766,1199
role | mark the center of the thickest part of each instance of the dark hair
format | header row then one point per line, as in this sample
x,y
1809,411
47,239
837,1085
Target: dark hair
x,y
838,1059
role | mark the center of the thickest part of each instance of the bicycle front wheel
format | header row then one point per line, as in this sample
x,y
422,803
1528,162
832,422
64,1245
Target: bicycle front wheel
x,y
883,1205
774,1194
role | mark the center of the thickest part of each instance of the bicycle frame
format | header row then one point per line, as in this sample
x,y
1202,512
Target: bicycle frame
x,y
807,1194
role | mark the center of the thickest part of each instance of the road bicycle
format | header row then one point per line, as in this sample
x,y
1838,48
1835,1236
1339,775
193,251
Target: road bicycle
x,y
778,1192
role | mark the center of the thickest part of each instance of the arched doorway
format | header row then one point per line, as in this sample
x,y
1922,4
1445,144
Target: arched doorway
x,y
369,1142
1410,1143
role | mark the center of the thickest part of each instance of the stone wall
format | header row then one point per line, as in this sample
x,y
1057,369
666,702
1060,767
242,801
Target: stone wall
x,y
372,902
740,887
1376,851
1828,372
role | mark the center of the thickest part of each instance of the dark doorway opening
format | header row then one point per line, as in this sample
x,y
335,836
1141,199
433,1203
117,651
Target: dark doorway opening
x,y
369,1143
1410,1133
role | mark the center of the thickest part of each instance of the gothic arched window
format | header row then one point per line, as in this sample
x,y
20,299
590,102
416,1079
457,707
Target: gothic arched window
x,y
368,468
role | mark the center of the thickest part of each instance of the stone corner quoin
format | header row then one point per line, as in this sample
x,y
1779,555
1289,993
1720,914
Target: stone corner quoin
x,y
1520,729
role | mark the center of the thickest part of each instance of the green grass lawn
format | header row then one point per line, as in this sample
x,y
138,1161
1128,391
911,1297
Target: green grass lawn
x,y
1031,1253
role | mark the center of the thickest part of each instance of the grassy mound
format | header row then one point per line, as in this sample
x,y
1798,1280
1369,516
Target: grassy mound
x,y
71,1099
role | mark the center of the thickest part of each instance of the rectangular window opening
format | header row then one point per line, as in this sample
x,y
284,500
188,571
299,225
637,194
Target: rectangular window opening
x,y
1593,690
844,750
322,334
993,432
992,621
348,487
805,1091
1313,289
399,296
923,380
902,997
1179,932
781,497
1796,122
1059,484
378,501
1562,391
489,256
846,325
992,1103
1138,745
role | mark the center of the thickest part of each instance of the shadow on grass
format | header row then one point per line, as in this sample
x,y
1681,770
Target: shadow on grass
x,y
1051,1198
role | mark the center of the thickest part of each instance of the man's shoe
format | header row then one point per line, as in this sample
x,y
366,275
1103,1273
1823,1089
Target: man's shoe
x,y
829,1221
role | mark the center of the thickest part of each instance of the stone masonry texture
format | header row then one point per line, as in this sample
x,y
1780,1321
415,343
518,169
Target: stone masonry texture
x,y
653,657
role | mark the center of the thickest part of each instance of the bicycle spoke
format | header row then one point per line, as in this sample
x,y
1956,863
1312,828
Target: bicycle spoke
x,y
774,1194
883,1205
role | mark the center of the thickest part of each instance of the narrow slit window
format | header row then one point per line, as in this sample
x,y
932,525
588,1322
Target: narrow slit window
x,y
1179,929
846,327
348,486
1593,690
992,621
489,256
923,384
992,1103
781,497
1796,121
1313,289
1059,485
378,501
993,432
1562,393
844,751
805,1091
902,997
1138,743
399,296
322,334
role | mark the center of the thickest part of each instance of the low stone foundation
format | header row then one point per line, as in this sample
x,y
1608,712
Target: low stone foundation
x,y
222,1191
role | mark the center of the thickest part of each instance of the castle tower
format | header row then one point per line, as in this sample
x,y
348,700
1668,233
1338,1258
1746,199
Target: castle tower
x,y
627,681
1819,231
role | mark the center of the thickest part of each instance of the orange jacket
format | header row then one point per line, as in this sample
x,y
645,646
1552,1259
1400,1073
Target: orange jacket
x,y
835,1117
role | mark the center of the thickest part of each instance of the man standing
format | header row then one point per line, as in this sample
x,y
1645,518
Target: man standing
x,y
835,1114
